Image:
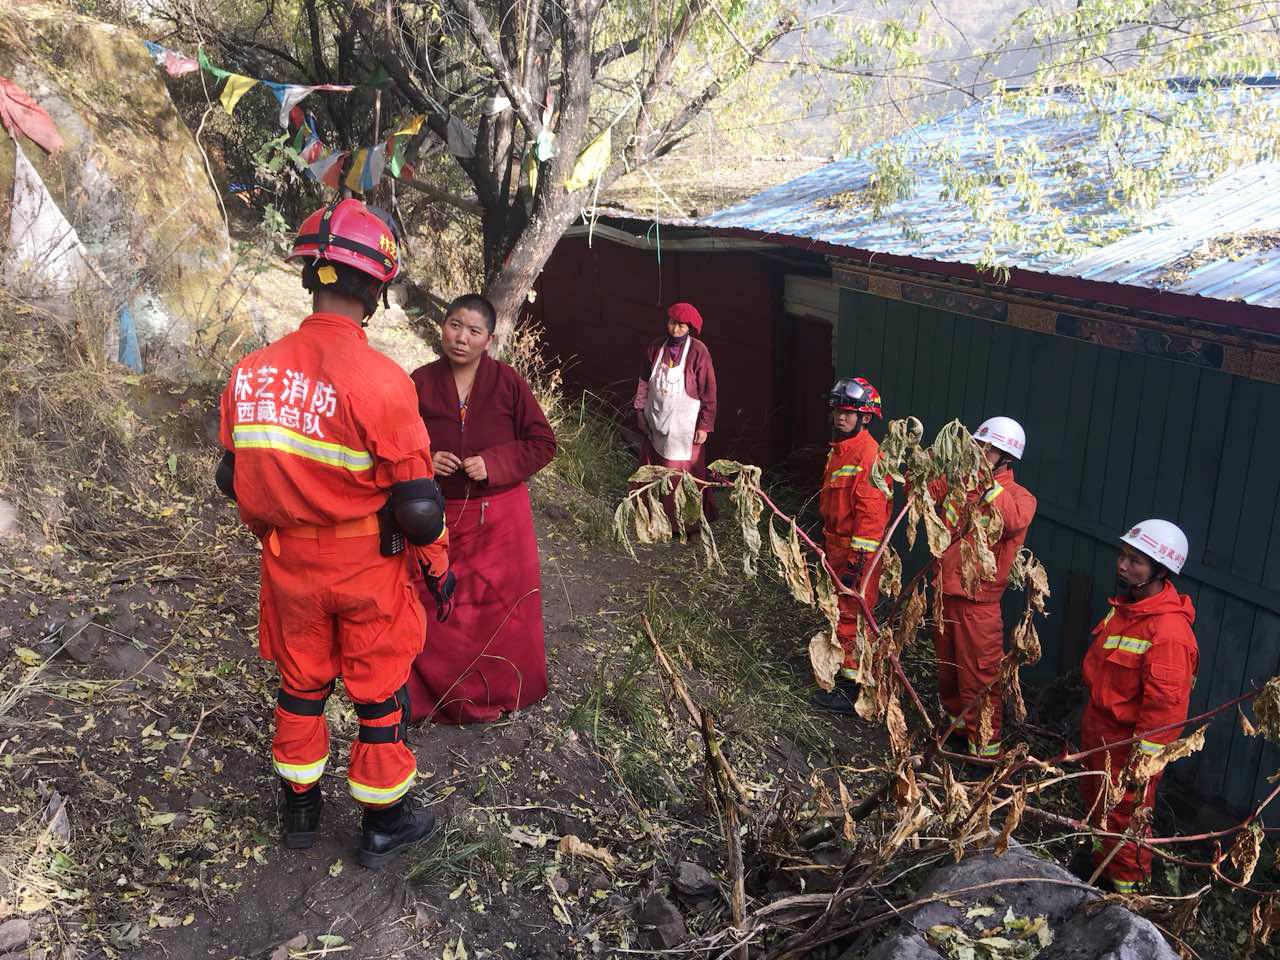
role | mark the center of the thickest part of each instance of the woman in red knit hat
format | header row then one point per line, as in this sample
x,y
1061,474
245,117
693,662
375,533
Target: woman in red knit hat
x,y
675,399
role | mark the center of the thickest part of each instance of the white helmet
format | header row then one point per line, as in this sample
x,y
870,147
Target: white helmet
x,y
1160,540
1004,434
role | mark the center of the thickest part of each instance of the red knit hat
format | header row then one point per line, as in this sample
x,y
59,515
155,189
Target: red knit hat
x,y
686,313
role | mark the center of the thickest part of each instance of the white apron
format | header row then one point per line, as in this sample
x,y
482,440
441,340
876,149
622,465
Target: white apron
x,y
672,414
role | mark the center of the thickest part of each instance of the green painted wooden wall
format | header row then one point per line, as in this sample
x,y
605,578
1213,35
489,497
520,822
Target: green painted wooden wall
x,y
1113,438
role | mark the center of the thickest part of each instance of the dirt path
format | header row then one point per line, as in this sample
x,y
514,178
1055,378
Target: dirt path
x,y
130,692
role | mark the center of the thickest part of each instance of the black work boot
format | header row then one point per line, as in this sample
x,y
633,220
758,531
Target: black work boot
x,y
300,816
388,830
840,700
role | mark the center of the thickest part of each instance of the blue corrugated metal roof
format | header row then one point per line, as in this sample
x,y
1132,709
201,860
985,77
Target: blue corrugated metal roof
x,y
1191,243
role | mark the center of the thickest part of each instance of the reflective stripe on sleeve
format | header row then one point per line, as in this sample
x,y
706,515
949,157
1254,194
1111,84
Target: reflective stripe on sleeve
x,y
848,470
301,773
990,750
1149,747
1127,644
268,436
994,492
861,543
381,795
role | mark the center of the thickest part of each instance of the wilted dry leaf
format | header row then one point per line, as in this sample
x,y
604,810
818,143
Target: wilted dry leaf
x,y
905,789
867,706
825,657
890,573
571,845
1037,583
896,724
1246,851
984,534
749,508
792,567
1266,917
828,598
1026,639
955,796
1266,708
850,830
915,510
912,616
1011,821
936,531
1012,681
1247,728
986,726
1145,766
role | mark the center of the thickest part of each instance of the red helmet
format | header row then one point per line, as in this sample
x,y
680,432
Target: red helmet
x,y
346,231
855,394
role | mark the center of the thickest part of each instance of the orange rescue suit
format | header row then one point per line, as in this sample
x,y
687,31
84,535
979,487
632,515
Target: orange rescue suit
x,y
322,425
1140,669
854,516
970,640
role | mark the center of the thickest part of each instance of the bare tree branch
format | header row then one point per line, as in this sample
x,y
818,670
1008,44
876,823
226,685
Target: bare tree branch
x,y
519,96
613,53
466,205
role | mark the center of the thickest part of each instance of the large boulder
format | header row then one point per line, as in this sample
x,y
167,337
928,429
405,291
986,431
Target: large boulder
x,y
1056,900
1080,930
1112,933
131,179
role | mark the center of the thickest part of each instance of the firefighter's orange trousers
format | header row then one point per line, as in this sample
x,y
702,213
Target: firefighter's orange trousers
x,y
1131,864
838,557
970,644
333,606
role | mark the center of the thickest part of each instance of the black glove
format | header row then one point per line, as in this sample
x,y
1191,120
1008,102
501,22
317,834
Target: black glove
x,y
852,576
442,588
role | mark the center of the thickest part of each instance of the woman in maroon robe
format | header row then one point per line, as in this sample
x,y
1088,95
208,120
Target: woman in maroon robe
x,y
675,400
488,436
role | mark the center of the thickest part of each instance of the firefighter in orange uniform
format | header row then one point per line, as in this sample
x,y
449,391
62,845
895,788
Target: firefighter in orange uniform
x,y
329,463
1140,668
854,515
970,640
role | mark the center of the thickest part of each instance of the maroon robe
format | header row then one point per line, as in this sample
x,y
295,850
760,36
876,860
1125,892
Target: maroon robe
x,y
699,383
488,658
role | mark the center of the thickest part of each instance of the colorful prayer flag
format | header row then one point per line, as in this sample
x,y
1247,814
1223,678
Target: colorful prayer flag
x,y
209,67
366,168
530,167
592,162
174,63
236,87
22,115
462,141
411,128
328,170
289,95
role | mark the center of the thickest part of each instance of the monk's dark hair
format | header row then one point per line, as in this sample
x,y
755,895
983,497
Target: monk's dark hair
x,y
350,282
478,303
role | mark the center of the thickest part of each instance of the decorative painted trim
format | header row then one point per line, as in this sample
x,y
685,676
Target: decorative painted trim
x,y
955,301
1143,340
1168,339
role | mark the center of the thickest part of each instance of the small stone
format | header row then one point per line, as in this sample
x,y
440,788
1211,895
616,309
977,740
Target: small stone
x,y
14,934
661,923
561,885
904,946
695,881
197,800
80,639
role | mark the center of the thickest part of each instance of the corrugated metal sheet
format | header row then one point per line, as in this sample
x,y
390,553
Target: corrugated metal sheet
x,y
1210,240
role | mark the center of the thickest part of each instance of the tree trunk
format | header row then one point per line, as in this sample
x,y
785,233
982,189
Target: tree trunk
x,y
509,288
